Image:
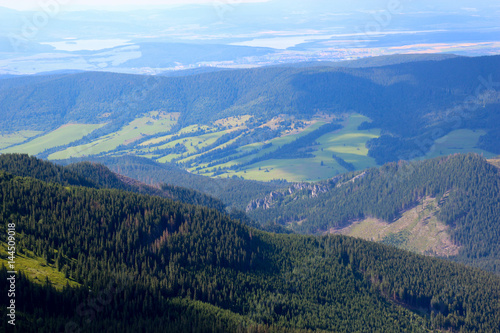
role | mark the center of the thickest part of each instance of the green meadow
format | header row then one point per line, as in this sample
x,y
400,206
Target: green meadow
x,y
7,140
295,170
61,136
154,122
193,145
458,141
348,143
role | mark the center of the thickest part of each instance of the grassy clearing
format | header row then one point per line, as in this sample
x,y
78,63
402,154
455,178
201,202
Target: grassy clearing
x,y
417,230
274,169
192,144
156,140
37,269
203,165
61,136
458,141
184,130
7,140
301,169
349,143
154,122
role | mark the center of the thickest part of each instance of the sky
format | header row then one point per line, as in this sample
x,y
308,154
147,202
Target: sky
x,y
111,4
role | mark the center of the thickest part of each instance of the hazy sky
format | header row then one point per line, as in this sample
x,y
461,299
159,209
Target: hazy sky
x,y
119,5
111,4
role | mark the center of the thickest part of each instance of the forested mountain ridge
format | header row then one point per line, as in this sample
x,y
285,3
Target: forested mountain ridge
x,y
97,176
194,269
230,122
233,192
466,189
84,97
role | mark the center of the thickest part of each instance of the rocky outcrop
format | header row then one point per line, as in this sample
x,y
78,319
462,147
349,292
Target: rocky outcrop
x,y
291,193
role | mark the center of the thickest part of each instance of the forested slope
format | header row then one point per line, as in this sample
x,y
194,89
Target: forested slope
x,y
233,192
467,186
96,175
187,268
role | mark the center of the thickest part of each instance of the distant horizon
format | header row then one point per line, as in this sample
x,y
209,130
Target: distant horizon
x,y
162,35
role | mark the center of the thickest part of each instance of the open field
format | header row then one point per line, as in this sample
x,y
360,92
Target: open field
x,y
7,140
154,122
61,136
296,170
184,130
269,169
349,143
192,144
276,143
458,141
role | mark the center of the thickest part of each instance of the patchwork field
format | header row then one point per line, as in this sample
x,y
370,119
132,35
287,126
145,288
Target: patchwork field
x,y
61,136
295,170
236,146
348,143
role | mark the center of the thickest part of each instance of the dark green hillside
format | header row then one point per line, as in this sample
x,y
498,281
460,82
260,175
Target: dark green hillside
x,y
25,166
233,192
151,264
96,175
467,184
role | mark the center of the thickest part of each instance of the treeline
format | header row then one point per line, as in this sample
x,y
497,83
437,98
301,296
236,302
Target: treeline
x,y
159,264
387,148
471,207
346,165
